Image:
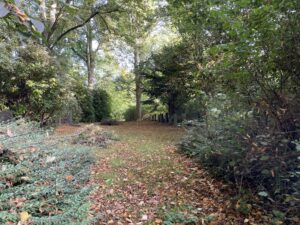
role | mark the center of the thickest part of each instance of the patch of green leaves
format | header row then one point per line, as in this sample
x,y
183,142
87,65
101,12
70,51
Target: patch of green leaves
x,y
46,178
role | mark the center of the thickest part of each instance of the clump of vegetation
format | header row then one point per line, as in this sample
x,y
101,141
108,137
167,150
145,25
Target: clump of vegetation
x,y
42,180
29,82
234,146
95,104
130,114
94,136
110,122
101,104
178,217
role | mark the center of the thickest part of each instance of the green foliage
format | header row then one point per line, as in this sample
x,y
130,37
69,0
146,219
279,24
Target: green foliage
x,y
130,114
101,104
170,77
121,99
70,110
45,178
95,104
232,145
84,97
179,218
246,50
29,83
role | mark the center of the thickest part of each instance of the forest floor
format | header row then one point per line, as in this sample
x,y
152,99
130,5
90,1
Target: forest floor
x,y
142,179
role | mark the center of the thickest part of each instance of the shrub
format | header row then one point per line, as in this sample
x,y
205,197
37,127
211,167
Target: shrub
x,y
233,145
130,114
29,84
110,122
84,97
101,104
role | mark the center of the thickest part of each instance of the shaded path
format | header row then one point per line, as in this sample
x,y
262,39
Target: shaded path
x,y
142,180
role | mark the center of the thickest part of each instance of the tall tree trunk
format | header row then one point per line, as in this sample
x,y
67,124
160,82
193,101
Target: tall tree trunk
x,y
43,10
53,12
91,55
138,84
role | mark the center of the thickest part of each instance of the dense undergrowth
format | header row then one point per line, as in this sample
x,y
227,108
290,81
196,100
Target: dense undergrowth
x,y
43,180
262,162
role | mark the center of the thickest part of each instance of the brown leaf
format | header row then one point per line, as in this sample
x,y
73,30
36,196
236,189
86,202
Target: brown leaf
x,y
69,178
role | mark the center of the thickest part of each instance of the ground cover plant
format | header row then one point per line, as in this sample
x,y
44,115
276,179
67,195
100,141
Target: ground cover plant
x,y
42,180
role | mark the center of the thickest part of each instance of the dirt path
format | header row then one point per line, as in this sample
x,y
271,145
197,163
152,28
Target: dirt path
x,y
141,179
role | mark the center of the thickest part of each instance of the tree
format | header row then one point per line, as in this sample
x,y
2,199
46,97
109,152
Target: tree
x,y
171,78
237,47
135,26
246,54
85,50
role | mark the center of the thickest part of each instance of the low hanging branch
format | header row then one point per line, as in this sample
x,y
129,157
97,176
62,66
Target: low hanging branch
x,y
80,25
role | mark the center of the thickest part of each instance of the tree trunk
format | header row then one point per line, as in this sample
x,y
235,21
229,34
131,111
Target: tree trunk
x,y
172,111
138,84
43,11
91,55
53,12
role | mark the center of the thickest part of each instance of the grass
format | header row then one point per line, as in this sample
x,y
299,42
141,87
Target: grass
x,y
143,180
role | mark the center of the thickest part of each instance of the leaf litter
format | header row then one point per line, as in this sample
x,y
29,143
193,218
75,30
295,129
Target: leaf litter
x,y
142,179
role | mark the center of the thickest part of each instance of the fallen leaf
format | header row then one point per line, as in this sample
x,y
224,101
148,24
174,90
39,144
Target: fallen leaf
x,y
24,216
158,221
69,178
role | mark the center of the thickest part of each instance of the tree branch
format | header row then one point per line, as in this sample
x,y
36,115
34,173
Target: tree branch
x,y
54,25
105,23
79,55
80,25
57,17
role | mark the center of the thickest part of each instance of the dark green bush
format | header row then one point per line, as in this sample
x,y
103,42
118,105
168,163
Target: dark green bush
x,y
95,104
84,97
29,84
71,111
233,145
101,104
130,114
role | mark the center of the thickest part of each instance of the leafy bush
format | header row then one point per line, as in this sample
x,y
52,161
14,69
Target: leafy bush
x,y
42,177
130,114
84,97
232,143
101,104
95,104
29,83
